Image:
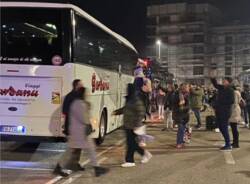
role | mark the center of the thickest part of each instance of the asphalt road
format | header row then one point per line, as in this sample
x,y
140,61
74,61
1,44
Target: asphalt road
x,y
200,162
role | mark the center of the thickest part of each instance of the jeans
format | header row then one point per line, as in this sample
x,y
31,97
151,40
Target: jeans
x,y
168,118
246,112
197,115
161,111
132,146
235,133
222,117
181,133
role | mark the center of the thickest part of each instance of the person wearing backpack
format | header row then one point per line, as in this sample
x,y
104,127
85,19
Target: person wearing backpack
x,y
246,109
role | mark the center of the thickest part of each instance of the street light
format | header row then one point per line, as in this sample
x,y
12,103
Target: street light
x,y
158,42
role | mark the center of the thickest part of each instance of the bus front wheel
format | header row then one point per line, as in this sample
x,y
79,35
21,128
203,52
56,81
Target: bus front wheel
x,y
102,129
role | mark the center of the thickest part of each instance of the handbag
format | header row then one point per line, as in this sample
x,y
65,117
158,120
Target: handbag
x,y
88,129
242,103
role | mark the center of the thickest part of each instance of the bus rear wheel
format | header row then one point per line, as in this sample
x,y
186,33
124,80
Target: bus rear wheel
x,y
102,129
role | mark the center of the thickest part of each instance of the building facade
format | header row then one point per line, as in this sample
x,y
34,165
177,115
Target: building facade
x,y
188,35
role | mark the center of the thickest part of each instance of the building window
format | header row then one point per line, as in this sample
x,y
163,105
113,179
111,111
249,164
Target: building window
x,y
228,71
151,21
228,39
229,50
151,31
198,38
164,20
198,50
244,68
198,70
228,58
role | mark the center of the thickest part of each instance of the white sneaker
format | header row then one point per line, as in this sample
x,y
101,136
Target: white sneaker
x,y
217,130
146,157
128,164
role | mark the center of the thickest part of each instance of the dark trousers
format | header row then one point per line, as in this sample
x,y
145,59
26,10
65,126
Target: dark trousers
x,y
235,133
222,117
246,112
132,146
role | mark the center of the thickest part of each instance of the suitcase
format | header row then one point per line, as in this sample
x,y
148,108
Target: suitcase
x,y
210,122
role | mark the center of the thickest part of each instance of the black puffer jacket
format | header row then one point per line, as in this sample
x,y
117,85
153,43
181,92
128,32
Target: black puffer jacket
x,y
180,112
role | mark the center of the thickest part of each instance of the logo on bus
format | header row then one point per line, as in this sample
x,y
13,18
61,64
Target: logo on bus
x,y
18,92
99,85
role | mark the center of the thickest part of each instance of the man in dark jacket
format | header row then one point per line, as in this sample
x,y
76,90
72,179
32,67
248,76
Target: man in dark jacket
x,y
76,84
181,112
223,104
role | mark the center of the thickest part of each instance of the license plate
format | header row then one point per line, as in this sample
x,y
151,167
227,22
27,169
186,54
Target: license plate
x,y
11,129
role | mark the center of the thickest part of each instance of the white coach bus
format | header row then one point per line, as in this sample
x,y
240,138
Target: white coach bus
x,y
44,47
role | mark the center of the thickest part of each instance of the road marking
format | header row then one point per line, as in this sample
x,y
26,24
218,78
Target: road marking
x,y
50,150
26,168
218,143
76,176
229,157
23,165
54,180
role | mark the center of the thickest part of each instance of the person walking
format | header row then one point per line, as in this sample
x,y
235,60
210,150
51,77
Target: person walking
x,y
76,84
235,117
223,106
181,113
78,137
134,112
195,98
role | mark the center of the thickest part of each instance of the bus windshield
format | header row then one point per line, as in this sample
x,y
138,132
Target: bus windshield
x,y
31,36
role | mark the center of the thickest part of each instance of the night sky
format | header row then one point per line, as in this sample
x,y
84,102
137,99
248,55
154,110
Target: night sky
x,y
128,17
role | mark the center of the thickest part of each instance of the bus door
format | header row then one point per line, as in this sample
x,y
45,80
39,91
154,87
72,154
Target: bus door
x,y
119,95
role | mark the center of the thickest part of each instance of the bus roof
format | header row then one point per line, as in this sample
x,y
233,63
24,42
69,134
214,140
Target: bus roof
x,y
70,6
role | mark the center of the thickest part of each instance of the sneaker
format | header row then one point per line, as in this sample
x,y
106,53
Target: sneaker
x,y
217,130
100,171
235,146
164,129
146,157
179,146
226,148
128,164
198,127
58,171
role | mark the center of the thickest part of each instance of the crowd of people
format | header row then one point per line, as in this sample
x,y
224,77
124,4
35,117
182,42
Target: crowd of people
x,y
170,103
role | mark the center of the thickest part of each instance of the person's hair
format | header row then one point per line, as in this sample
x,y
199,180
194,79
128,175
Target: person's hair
x,y
176,86
229,79
75,83
80,93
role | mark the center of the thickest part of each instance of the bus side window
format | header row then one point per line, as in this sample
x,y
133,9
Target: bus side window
x,y
96,47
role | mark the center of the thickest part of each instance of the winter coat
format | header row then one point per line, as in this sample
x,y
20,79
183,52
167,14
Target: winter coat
x,y
195,98
133,113
236,110
78,118
180,112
